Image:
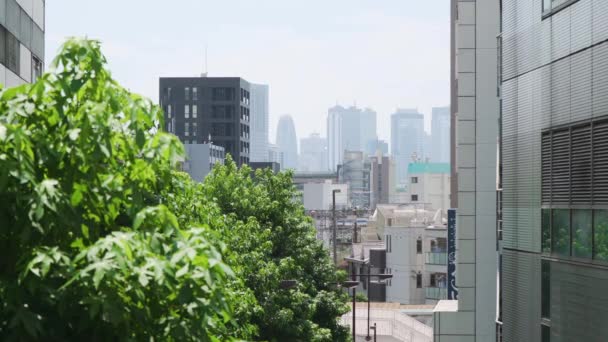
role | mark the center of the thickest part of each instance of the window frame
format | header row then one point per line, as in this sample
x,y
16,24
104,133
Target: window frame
x,y
546,13
414,198
418,280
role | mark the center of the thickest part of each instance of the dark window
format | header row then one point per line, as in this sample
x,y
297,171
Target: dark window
x,y
600,241
419,246
419,280
414,198
12,53
581,233
546,230
433,280
194,93
187,93
36,68
545,289
223,94
3,12
414,180
2,45
545,330
560,232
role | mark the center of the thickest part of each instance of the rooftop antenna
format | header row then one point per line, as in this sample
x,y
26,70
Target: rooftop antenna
x,y
206,70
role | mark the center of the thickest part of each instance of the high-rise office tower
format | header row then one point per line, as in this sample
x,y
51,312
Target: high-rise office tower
x,y
208,109
259,123
440,135
351,129
313,153
21,41
554,170
407,140
475,116
287,142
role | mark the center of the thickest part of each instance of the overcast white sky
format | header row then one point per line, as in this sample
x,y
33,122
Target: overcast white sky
x,y
381,54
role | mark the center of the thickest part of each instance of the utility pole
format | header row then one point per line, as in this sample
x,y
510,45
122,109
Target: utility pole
x,y
333,211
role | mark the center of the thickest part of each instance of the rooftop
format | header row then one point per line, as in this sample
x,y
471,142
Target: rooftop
x,y
428,168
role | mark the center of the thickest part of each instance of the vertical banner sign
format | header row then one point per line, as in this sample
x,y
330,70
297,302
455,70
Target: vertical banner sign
x,y
452,289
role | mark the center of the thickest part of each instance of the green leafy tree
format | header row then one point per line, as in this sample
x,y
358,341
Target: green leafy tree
x,y
89,251
271,239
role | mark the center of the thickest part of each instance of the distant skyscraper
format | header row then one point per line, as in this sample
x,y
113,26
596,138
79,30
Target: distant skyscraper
x,y
313,153
377,145
349,129
275,155
440,131
407,139
259,123
287,142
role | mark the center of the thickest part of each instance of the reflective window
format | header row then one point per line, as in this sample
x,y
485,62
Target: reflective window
x,y
560,232
186,111
13,17
546,231
581,233
545,289
26,30
187,129
38,41
194,129
2,45
194,110
12,53
600,222
187,93
194,93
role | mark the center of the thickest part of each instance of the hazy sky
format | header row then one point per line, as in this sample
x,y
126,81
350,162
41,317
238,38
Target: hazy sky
x,y
381,54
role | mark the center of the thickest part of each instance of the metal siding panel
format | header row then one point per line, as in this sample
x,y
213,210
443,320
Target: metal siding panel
x,y
600,20
580,27
579,303
560,92
521,296
560,34
600,80
580,102
509,150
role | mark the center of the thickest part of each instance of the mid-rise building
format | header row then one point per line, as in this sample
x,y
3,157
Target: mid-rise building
x,y
319,196
407,140
204,109
429,184
382,179
313,154
287,142
475,116
349,129
440,135
200,159
554,175
355,171
259,123
22,29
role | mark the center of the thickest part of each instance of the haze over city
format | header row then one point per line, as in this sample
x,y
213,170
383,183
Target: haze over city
x,y
312,54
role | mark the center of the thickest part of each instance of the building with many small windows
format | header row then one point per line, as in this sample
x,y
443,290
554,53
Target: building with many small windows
x,y
203,109
429,183
21,41
200,159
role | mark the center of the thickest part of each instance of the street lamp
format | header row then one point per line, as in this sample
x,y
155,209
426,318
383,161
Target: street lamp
x,y
374,329
352,284
333,211
381,277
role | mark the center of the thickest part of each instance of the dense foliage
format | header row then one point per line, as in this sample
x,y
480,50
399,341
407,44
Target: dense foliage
x,y
101,239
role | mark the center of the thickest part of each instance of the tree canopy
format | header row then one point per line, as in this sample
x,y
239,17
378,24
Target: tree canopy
x,y
103,239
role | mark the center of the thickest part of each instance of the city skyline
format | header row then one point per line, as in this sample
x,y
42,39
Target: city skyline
x,y
366,40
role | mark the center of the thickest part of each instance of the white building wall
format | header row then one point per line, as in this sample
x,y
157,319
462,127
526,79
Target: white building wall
x,y
318,196
404,262
432,189
476,29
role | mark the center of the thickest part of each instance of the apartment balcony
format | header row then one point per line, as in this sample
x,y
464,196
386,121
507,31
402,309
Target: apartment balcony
x,y
437,258
437,262
436,293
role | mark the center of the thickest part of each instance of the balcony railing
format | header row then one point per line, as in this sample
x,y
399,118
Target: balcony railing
x,y
436,293
437,258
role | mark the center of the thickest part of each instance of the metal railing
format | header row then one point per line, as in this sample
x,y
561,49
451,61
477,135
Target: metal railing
x,y
437,258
